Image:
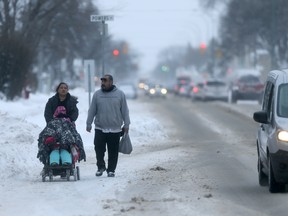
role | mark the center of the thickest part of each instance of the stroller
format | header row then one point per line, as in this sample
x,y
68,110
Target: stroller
x,y
64,170
60,134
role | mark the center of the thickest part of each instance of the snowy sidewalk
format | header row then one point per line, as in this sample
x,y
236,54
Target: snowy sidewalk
x,y
245,108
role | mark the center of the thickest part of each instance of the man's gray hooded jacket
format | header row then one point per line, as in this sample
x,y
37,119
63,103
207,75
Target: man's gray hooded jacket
x,y
109,111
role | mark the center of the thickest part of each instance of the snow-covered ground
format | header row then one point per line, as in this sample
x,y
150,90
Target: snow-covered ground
x,y
21,122
23,192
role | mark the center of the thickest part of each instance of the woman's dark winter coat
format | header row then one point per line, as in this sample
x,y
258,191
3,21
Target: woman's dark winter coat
x,y
70,105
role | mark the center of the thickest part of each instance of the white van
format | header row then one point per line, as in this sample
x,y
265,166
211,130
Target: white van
x,y
272,135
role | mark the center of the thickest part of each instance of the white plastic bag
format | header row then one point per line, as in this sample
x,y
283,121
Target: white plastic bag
x,y
125,145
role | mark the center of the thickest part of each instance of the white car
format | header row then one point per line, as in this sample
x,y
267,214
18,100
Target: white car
x,y
211,90
129,90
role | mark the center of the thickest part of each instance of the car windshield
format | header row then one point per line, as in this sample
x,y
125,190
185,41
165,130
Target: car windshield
x,y
183,80
215,83
249,79
282,106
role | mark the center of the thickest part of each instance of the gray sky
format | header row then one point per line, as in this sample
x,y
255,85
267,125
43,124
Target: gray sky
x,y
152,25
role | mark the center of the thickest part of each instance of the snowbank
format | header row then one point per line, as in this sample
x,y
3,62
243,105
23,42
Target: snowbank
x,y
22,121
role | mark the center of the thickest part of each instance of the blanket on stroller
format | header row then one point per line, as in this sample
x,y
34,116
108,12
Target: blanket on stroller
x,y
64,133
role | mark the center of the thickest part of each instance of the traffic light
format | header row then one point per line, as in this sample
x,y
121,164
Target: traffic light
x,y
203,48
164,68
116,52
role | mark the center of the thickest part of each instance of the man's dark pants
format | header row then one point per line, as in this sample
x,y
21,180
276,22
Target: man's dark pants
x,y
112,141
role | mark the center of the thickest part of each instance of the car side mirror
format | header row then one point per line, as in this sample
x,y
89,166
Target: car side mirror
x,y
260,117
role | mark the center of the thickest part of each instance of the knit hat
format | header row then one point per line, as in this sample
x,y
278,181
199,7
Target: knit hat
x,y
60,111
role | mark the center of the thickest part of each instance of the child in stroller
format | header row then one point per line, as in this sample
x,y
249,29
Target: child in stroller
x,y
61,161
59,147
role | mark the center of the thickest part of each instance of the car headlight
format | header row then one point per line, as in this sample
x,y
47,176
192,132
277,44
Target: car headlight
x,y
283,136
152,91
141,85
164,91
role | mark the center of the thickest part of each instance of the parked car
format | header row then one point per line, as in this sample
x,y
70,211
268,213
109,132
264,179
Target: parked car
x,y
129,89
272,135
246,87
213,89
158,91
195,91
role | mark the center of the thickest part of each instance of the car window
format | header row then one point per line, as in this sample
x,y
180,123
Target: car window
x,y
267,97
200,85
249,79
282,105
270,104
183,80
215,83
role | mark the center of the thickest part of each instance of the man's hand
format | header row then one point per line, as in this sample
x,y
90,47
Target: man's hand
x,y
126,130
88,129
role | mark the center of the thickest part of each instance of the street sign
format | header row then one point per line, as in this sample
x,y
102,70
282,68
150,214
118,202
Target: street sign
x,y
99,18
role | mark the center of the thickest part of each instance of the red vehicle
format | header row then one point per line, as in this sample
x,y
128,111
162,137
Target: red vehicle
x,y
246,87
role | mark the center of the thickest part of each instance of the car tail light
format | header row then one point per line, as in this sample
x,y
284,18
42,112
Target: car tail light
x,y
195,90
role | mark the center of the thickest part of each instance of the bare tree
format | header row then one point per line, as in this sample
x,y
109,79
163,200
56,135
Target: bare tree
x,y
250,25
212,3
37,31
22,26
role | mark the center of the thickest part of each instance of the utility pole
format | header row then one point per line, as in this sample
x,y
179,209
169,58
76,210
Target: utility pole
x,y
104,32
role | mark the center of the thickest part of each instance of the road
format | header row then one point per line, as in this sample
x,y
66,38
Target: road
x,y
215,172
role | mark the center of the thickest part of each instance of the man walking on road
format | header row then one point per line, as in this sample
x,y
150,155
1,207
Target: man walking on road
x,y
109,111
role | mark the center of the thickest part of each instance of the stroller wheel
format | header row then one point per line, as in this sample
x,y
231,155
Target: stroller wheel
x,y
68,174
50,175
78,173
43,175
75,174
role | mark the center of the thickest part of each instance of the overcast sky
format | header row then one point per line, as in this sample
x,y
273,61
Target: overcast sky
x,y
149,26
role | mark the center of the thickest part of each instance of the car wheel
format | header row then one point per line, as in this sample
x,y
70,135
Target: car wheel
x,y
274,187
262,178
